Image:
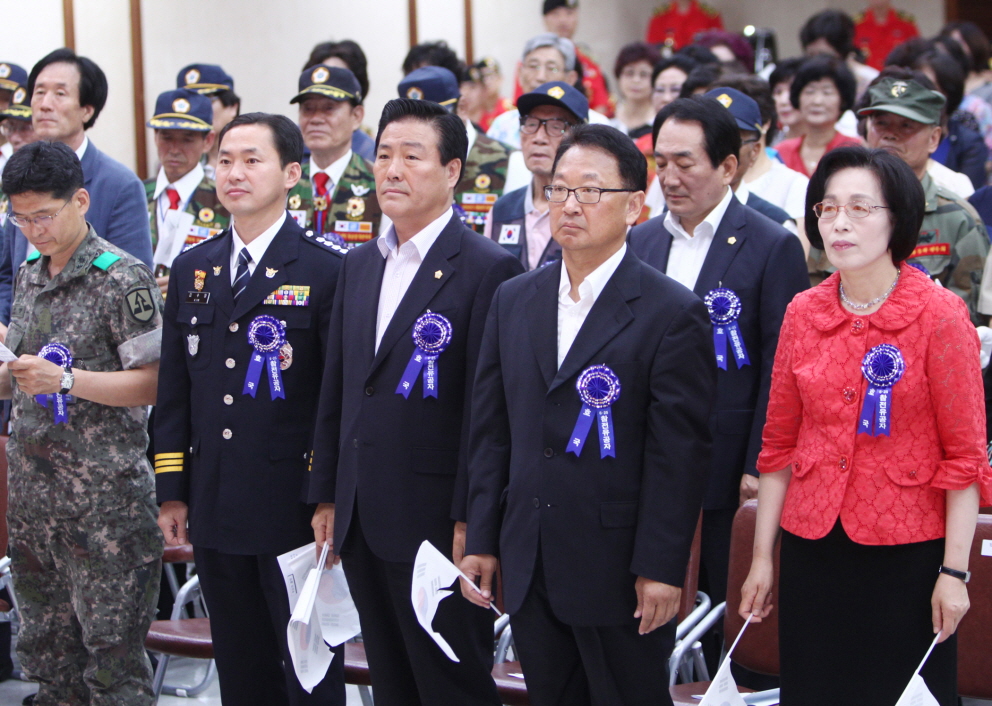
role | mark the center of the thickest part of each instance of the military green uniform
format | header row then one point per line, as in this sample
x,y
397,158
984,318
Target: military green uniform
x,y
482,181
209,215
84,541
353,214
953,243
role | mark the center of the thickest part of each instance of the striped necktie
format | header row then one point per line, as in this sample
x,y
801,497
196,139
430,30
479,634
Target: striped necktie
x,y
241,280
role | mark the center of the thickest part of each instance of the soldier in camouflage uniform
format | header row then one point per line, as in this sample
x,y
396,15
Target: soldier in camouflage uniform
x,y
182,124
904,117
337,200
86,550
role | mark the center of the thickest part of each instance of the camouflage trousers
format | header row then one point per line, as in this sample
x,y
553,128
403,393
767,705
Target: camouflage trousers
x,y
88,594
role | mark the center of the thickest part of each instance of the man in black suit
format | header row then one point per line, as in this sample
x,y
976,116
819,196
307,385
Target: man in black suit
x,y
713,244
590,443
243,349
390,457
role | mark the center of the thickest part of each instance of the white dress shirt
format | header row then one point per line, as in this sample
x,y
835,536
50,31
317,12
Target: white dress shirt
x,y
572,314
82,148
334,172
402,263
184,186
256,248
688,252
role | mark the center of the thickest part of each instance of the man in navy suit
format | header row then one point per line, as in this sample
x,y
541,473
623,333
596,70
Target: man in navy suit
x,y
390,456
590,444
748,268
67,94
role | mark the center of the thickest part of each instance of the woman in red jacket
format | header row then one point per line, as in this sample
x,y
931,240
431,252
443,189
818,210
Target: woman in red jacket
x,y
873,460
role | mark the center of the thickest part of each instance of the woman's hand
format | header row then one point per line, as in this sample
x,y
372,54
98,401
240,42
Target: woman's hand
x,y
948,605
757,590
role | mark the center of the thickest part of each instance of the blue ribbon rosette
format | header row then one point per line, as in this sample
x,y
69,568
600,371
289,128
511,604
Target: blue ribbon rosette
x,y
431,335
267,335
599,388
725,307
60,355
882,366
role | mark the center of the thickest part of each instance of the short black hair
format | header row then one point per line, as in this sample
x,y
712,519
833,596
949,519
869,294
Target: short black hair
x,y
900,188
949,46
817,68
92,80
699,54
452,140
785,70
835,26
285,134
679,61
227,98
704,76
721,134
43,168
631,165
634,52
906,53
976,41
949,74
347,51
434,54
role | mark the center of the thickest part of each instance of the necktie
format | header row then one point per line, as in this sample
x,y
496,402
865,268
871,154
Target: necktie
x,y
322,181
241,279
173,198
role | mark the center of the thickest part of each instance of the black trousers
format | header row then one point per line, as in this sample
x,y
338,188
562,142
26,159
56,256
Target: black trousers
x,y
249,611
566,665
406,665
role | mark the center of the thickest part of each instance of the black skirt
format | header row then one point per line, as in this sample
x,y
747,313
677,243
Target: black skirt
x,y
855,622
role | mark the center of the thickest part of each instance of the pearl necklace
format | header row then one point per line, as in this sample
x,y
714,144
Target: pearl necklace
x,y
873,302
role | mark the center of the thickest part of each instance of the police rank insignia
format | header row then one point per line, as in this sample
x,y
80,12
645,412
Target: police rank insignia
x,y
193,344
270,272
4,71
192,76
289,295
294,201
217,269
199,277
180,105
320,75
355,208
414,93
19,96
359,189
483,182
206,215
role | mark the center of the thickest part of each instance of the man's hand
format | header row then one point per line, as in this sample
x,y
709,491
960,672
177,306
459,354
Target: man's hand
x,y
458,544
323,532
749,487
3,333
172,521
36,376
163,284
657,603
483,566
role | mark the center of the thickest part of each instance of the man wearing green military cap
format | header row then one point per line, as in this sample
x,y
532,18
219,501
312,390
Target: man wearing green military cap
x,y
903,117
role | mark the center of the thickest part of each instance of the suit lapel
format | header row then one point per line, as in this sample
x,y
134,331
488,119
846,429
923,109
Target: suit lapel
x,y
365,301
283,249
220,289
663,244
722,251
543,320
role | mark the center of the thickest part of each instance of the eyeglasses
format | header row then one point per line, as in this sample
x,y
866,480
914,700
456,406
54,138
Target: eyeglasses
x,y
855,209
583,194
38,221
12,126
549,69
555,127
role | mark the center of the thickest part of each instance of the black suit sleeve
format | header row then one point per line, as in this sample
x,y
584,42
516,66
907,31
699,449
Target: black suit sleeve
x,y
784,277
677,446
503,269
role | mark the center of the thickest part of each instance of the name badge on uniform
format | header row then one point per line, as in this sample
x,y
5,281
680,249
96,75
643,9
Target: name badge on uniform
x,y
509,234
197,297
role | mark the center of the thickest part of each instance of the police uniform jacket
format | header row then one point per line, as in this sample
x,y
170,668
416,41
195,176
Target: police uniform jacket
x,y
509,211
403,462
238,461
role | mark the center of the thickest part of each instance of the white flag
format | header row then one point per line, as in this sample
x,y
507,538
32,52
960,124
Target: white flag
x,y
917,693
432,574
723,689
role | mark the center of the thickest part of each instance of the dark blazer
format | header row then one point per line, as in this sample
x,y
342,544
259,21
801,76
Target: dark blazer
x,y
765,266
600,523
405,460
245,493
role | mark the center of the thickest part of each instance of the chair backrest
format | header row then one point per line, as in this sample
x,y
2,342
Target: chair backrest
x,y
3,494
691,585
758,649
975,632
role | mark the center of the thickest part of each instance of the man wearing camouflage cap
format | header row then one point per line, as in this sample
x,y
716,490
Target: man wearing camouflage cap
x,y
903,117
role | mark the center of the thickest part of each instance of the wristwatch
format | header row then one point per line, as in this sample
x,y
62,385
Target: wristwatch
x,y
963,575
67,380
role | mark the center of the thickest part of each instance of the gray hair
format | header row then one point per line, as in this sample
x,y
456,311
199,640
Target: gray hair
x,y
549,39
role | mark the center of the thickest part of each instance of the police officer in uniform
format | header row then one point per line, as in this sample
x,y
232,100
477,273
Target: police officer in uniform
x,y
183,134
520,220
336,194
243,348
485,172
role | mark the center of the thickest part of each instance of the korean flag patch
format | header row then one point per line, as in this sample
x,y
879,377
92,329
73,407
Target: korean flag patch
x,y
509,234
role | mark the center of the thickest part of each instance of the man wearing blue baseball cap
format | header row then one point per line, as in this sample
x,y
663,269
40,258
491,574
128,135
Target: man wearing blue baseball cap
x,y
212,81
520,219
183,208
12,77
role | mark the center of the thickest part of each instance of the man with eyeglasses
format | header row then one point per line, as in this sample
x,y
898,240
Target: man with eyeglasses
x,y
589,442
86,327
520,220
904,118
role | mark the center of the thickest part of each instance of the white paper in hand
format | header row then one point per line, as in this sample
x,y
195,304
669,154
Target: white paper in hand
x,y
6,355
334,608
917,694
311,657
723,689
432,574
295,567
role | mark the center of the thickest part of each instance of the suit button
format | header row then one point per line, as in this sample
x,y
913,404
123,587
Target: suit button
x,y
227,433
233,328
849,394
229,362
857,325
548,453
354,442
912,474
842,463
537,503
228,399
369,391
192,322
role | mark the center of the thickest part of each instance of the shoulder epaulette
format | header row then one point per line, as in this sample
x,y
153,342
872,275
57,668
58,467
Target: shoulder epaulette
x,y
105,260
33,256
326,243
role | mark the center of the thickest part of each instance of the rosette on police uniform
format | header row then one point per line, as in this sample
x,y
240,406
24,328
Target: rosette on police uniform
x,y
882,366
60,355
431,335
599,388
267,335
725,307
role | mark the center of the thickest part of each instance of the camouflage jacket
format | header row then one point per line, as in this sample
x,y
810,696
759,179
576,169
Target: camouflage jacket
x,y
104,306
953,243
353,214
209,215
482,181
